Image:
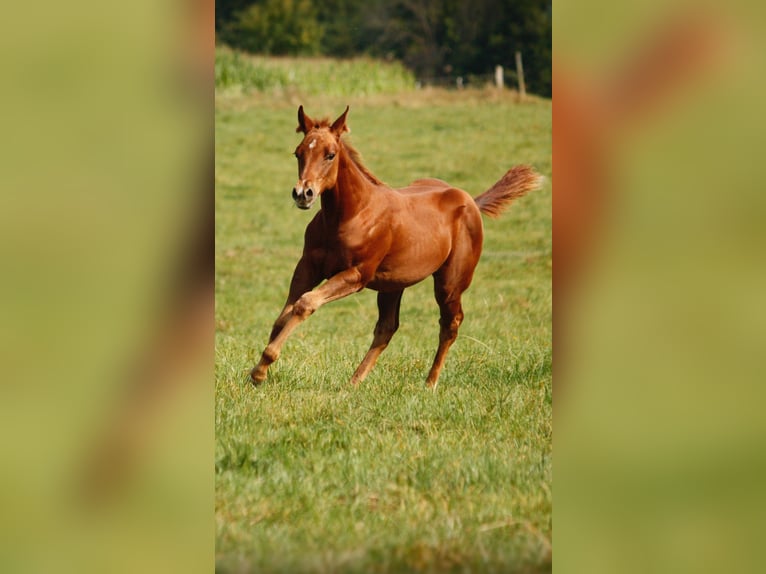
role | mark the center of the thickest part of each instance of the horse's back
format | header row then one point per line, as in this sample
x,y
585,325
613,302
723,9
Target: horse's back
x,y
424,186
433,194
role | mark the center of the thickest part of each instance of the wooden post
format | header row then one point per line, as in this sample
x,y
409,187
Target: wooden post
x,y
499,77
520,74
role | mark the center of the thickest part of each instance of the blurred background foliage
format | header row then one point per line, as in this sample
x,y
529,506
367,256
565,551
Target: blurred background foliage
x,y
435,39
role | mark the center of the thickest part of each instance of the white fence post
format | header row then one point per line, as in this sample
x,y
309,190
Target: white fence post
x,y
499,77
520,74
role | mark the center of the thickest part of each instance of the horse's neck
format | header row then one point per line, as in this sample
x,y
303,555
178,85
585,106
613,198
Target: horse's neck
x,y
351,193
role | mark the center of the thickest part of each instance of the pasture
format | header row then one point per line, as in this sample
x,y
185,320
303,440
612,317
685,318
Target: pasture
x,y
315,476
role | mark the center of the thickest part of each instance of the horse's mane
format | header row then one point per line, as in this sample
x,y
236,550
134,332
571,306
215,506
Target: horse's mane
x,y
353,154
357,159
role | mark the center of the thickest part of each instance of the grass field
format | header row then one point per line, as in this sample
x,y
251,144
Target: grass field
x,y
236,72
315,476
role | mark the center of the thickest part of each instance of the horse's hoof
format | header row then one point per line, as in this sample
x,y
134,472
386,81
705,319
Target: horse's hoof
x,y
257,378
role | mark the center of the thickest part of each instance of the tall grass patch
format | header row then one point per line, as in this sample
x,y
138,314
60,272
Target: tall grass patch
x,y
315,476
239,72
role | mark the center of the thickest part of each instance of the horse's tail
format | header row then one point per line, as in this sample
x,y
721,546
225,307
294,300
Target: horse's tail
x,y
514,184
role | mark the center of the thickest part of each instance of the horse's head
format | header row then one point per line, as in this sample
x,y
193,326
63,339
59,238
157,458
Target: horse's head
x,y
317,157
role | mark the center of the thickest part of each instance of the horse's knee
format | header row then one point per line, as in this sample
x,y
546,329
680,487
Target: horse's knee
x,y
303,307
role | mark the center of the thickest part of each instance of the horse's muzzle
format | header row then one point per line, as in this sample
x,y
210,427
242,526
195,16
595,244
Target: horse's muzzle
x,y
303,198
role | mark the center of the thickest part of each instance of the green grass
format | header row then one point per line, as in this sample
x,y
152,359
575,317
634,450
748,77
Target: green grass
x,y
238,72
315,476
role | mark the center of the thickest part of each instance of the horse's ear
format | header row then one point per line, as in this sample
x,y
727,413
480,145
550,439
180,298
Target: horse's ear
x,y
339,126
305,123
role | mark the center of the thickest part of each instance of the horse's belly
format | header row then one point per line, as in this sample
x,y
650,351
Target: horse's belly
x,y
412,263
386,282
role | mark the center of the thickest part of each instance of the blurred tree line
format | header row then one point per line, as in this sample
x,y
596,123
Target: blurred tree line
x,y
434,38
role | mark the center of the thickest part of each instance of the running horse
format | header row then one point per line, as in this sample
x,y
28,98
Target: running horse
x,y
367,234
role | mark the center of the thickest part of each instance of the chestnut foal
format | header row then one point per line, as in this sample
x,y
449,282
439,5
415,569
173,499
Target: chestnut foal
x,y
367,234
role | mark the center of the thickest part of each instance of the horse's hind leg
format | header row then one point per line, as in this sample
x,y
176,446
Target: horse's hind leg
x,y
450,282
388,323
451,316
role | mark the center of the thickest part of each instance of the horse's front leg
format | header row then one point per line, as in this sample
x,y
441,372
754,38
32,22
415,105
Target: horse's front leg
x,y
338,286
305,277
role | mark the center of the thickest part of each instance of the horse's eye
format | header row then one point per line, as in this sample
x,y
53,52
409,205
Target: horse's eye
x,y
296,155
330,156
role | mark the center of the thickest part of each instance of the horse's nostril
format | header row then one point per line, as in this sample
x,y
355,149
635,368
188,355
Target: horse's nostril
x,y
309,192
295,194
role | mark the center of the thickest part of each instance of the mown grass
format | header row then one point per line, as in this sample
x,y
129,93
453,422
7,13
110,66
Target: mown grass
x,y
315,476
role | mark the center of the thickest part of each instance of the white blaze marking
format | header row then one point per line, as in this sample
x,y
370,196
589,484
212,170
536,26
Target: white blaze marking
x,y
312,144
